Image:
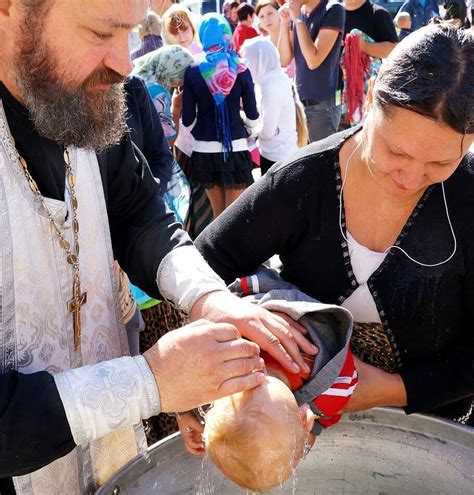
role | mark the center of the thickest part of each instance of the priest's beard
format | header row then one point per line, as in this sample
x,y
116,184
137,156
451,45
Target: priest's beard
x,y
69,113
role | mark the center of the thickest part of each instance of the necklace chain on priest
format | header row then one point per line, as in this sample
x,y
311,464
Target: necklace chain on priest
x,y
72,252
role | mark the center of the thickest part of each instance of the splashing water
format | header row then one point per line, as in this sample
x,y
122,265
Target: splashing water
x,y
205,483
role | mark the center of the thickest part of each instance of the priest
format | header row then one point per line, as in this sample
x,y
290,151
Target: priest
x,y
74,197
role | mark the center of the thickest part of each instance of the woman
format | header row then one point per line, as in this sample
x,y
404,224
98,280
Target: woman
x,y
212,95
178,29
163,70
277,136
381,221
269,22
229,11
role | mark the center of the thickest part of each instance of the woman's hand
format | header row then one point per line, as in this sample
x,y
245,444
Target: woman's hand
x,y
177,107
191,431
376,388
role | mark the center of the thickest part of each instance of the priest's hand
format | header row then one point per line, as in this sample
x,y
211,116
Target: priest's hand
x,y
202,362
280,337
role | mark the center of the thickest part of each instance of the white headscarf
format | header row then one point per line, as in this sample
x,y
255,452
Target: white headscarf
x,y
262,58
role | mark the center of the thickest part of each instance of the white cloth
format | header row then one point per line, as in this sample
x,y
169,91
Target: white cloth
x,y
277,135
36,329
185,140
184,276
364,263
102,398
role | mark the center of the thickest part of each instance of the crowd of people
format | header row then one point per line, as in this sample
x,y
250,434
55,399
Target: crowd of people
x,y
181,162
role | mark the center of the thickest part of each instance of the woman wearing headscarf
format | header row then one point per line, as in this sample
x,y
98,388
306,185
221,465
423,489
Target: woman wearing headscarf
x,y
163,70
229,11
278,134
212,95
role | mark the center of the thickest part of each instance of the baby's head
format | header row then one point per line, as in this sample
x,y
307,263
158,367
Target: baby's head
x,y
256,438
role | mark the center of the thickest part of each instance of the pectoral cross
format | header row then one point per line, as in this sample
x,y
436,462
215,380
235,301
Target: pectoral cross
x,y
74,307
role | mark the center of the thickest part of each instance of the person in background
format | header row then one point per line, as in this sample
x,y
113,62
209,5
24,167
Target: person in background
x,y
269,25
146,131
244,30
212,95
414,14
277,133
163,70
311,32
150,36
369,36
161,6
179,29
374,21
229,11
455,13
269,19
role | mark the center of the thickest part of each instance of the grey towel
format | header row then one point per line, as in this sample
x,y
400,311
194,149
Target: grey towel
x,y
329,327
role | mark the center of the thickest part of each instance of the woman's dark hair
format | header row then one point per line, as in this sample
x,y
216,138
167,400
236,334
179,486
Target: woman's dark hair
x,y
431,72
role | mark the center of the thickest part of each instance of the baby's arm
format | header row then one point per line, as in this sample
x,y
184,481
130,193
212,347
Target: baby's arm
x,y
332,402
191,431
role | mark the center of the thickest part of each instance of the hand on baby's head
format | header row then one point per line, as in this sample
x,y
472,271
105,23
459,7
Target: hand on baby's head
x,y
256,438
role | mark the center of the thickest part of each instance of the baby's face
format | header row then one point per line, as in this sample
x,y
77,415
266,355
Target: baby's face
x,y
257,437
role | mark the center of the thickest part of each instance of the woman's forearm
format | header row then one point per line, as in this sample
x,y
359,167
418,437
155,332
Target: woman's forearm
x,y
284,45
376,388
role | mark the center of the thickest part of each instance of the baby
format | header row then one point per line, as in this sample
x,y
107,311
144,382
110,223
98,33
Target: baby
x,y
257,438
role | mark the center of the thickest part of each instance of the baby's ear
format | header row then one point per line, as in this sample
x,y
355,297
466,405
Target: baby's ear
x,y
307,417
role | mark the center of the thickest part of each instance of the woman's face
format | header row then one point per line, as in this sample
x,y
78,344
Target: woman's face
x,y
407,152
233,15
269,19
185,36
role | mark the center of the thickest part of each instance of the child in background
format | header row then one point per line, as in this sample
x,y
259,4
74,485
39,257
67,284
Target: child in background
x,y
278,132
212,95
258,437
179,29
244,30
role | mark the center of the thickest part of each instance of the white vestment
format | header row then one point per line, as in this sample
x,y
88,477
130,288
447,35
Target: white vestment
x,y
36,330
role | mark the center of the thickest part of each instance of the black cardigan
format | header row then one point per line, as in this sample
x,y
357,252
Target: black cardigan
x,y
427,313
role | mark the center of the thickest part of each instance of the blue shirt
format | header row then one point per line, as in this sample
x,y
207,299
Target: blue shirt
x,y
320,83
420,14
199,105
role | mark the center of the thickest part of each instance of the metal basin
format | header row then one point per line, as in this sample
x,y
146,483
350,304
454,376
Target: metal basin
x,y
381,451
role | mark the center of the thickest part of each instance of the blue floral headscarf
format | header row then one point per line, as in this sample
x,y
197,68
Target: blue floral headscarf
x,y
219,69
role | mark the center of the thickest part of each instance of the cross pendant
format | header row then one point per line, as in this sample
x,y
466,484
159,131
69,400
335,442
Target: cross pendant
x,y
74,307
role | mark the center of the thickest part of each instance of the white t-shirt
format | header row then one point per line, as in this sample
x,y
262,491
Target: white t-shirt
x,y
364,262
